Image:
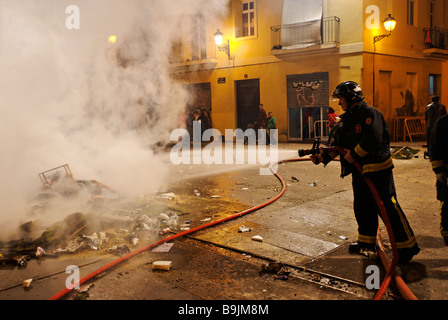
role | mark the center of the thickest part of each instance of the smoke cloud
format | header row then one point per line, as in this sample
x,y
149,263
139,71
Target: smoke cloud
x,y
70,97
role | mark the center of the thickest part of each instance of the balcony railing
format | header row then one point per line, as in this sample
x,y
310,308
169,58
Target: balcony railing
x,y
436,38
299,35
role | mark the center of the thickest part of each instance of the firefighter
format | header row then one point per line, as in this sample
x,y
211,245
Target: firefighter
x,y
363,133
433,112
439,160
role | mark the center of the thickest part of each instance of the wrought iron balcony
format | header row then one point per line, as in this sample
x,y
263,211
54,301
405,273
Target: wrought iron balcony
x,y
323,33
436,40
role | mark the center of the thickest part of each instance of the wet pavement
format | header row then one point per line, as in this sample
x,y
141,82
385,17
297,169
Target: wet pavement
x,y
308,230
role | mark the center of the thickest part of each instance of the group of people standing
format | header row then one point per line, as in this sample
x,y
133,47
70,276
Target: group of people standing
x,y
267,122
361,131
199,115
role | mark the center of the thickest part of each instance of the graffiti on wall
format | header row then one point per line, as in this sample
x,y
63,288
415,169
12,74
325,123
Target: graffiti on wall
x,y
409,108
307,100
308,90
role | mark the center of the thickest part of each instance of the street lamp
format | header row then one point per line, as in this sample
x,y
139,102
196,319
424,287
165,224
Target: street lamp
x,y
219,39
389,24
112,39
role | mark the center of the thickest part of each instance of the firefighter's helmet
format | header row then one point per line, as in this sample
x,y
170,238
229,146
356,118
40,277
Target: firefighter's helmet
x,y
350,90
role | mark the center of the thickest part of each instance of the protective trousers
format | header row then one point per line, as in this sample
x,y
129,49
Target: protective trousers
x,y
442,195
367,210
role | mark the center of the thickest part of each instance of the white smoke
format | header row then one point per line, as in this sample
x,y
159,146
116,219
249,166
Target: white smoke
x,y
64,100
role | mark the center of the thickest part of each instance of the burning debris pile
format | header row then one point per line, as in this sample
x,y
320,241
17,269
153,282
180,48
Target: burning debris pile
x,y
109,226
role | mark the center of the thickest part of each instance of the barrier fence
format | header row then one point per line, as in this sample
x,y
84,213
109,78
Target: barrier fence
x,y
407,128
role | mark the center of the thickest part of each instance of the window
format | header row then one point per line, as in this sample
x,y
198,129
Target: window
x,y
246,19
434,84
411,12
432,13
198,37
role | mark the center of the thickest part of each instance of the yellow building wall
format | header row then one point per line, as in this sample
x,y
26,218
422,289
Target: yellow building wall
x,y
252,59
396,59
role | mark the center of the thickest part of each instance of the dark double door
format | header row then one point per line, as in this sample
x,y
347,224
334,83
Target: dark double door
x,y
248,101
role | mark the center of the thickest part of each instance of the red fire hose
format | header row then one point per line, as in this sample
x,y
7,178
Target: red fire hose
x,y
390,266
178,235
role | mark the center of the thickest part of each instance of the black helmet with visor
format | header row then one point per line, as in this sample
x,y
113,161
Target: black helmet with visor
x,y
349,90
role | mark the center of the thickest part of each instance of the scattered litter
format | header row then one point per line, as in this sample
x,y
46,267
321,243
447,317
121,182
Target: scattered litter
x,y
343,237
27,283
40,252
243,228
244,189
282,277
257,238
164,247
404,153
22,261
372,255
169,196
206,219
165,230
216,197
119,250
147,224
84,288
316,277
135,241
294,179
164,217
162,265
170,221
314,184
329,233
83,292
272,267
78,244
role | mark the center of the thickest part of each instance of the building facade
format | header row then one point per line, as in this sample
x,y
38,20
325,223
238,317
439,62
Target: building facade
x,y
289,55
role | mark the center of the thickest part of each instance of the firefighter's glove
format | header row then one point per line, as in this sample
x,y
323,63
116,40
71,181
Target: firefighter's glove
x,y
348,157
316,159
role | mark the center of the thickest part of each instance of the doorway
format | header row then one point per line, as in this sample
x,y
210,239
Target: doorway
x,y
308,97
247,102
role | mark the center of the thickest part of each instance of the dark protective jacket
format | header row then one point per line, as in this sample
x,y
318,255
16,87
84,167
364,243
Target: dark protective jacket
x,y
439,153
364,132
433,112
